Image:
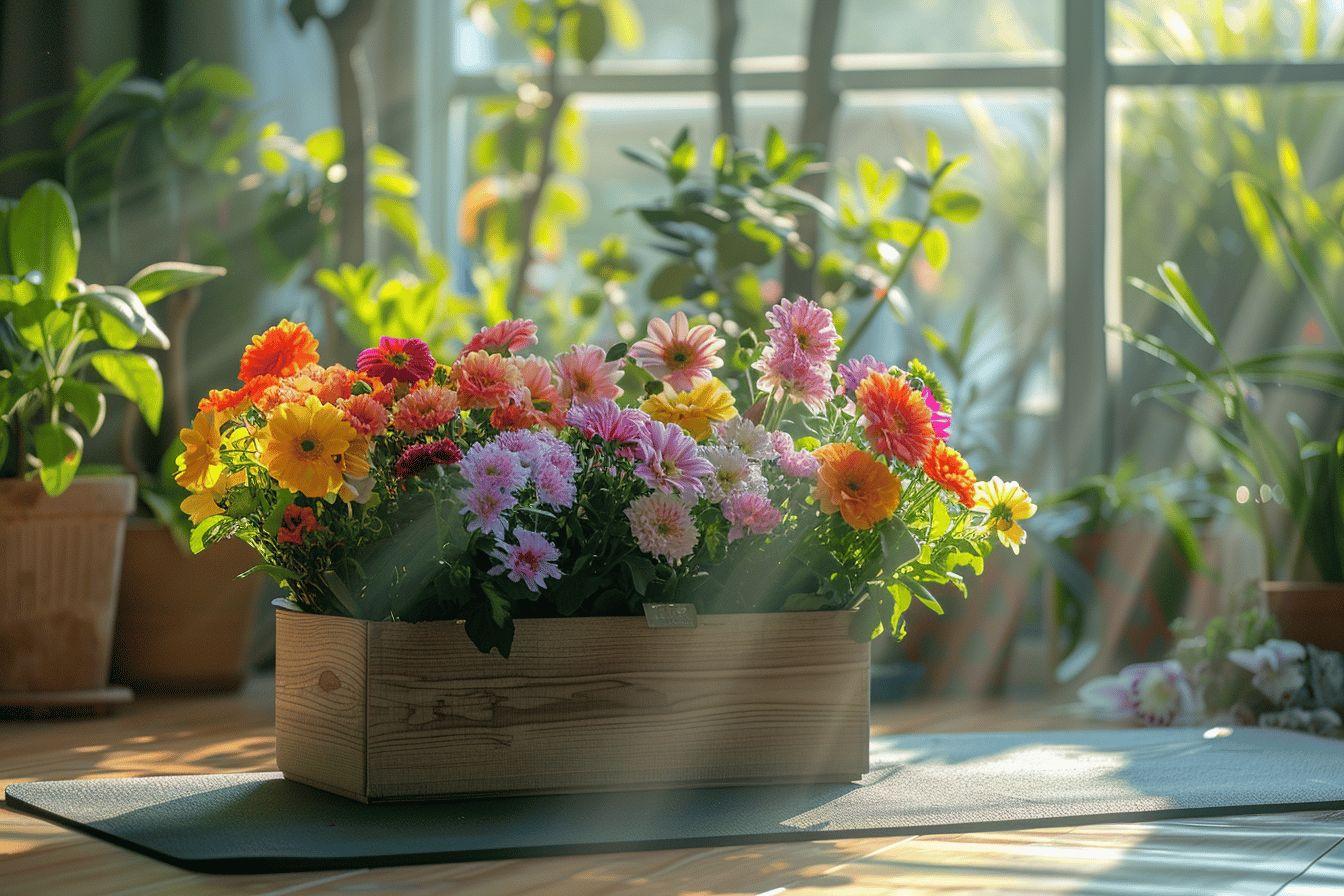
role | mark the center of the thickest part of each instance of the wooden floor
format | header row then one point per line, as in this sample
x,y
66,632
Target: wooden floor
x,y
1294,855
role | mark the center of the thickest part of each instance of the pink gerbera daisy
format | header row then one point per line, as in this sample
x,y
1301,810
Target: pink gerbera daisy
x,y
803,328
424,409
677,353
586,375
397,360
530,561
669,461
662,526
750,513
506,336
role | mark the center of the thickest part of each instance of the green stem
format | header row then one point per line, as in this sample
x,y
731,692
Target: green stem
x,y
867,321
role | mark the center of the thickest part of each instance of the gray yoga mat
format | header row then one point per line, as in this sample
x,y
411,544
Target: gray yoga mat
x,y
919,784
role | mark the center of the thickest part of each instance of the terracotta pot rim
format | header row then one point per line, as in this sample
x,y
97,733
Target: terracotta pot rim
x,y
100,495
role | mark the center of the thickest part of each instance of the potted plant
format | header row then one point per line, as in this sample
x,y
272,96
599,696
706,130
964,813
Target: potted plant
x,y
677,594
61,536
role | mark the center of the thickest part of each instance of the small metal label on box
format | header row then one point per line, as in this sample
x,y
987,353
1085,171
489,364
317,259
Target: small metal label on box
x,y
670,615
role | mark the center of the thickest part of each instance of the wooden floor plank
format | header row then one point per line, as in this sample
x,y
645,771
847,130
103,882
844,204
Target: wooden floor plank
x,y
1296,855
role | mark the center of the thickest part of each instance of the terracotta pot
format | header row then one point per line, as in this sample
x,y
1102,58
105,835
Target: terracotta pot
x,y
1308,612
60,561
184,620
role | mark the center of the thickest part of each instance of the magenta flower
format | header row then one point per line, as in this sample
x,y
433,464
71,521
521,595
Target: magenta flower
x,y
423,456
492,467
397,360
853,372
804,329
508,336
530,561
484,508
604,419
669,461
677,353
750,513
941,420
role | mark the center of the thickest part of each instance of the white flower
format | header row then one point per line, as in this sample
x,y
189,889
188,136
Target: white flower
x,y
751,439
1275,666
1153,693
733,471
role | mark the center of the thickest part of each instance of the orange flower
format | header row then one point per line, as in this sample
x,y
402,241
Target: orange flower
x,y
477,199
946,467
283,350
856,484
898,422
486,380
229,403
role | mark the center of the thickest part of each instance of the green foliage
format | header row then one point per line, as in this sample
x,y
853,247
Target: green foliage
x,y
55,330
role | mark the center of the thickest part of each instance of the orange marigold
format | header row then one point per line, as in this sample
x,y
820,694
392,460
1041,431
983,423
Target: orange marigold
x,y
229,403
948,468
486,380
283,350
897,421
856,484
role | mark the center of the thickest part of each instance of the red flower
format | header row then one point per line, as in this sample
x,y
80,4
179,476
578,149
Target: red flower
x,y
297,522
898,422
283,350
506,336
397,360
418,458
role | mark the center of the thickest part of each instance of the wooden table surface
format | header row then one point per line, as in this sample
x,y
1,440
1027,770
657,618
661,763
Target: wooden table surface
x,y
1289,854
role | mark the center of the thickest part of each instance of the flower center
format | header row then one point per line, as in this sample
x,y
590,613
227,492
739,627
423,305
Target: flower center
x,y
398,359
679,357
307,446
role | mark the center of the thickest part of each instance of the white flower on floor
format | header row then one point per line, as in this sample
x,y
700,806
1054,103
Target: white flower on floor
x,y
1153,693
1275,667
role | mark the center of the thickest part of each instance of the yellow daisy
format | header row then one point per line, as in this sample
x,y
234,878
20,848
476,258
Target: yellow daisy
x,y
200,464
302,446
207,502
1004,503
693,410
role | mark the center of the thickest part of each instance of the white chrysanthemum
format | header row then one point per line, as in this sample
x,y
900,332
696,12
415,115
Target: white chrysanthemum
x,y
751,439
662,526
733,471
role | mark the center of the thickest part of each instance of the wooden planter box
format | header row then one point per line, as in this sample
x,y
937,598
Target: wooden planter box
x,y
399,711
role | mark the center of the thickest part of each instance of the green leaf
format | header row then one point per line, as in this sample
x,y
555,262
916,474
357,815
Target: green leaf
x,y
122,319
85,402
957,206
672,280
197,542
722,153
279,573
91,93
936,248
681,162
161,280
223,81
933,151
776,150
395,183
1182,298
44,237
135,376
58,448
589,31
326,147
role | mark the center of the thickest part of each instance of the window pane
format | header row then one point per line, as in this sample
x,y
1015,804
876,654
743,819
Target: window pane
x,y
1194,31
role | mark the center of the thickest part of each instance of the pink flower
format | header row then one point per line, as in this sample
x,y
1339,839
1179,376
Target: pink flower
x,y
1154,693
428,407
853,372
669,461
506,336
586,375
554,487
791,376
366,414
397,360
485,508
750,513
800,464
940,419
489,466
803,328
604,419
678,354
662,526
530,561
420,457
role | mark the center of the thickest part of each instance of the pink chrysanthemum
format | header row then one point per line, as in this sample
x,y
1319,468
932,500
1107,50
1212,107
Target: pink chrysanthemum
x,y
510,336
940,419
606,420
489,466
792,377
853,372
484,508
554,487
530,561
669,461
792,462
366,414
586,376
420,457
424,409
662,526
750,513
803,328
677,353
484,380
397,360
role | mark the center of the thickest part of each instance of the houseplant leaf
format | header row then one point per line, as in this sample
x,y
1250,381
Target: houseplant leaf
x,y
135,376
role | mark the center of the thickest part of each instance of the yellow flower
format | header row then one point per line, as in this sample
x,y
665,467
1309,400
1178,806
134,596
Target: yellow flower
x,y
1005,503
200,464
302,445
357,484
693,410
206,503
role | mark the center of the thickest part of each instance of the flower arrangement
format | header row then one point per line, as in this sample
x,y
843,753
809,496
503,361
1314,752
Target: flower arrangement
x,y
499,484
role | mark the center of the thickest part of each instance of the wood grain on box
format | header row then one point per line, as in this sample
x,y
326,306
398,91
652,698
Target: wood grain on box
x,y
386,710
